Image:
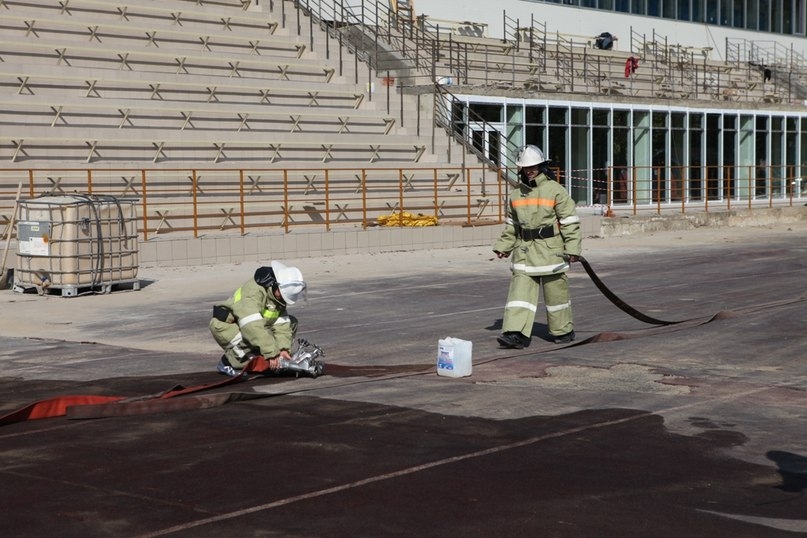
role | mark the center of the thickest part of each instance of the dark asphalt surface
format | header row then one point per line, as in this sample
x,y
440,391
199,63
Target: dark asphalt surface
x,y
692,429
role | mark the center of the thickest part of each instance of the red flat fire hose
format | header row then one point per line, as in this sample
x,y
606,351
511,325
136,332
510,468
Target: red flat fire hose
x,y
92,406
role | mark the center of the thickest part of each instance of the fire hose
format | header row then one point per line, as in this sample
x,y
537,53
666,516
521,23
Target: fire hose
x,y
304,361
611,296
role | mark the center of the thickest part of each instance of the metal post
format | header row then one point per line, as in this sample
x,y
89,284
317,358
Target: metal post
x,y
195,207
145,204
241,199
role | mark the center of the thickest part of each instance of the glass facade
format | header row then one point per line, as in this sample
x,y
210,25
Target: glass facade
x,y
775,16
611,154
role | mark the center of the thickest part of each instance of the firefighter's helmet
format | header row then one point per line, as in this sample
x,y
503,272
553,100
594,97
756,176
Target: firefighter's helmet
x,y
290,282
530,156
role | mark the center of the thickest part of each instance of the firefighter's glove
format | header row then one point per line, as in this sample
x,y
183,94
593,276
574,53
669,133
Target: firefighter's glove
x,y
502,254
571,258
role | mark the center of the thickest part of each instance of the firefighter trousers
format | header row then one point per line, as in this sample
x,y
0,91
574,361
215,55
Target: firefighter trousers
x,y
522,303
228,336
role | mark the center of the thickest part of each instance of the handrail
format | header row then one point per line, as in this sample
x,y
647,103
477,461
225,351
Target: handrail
x,y
213,201
210,200
459,126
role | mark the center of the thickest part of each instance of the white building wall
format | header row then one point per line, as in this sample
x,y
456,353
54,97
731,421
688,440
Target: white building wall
x,y
590,22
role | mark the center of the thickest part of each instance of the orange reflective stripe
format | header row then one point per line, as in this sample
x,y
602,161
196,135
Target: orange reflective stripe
x,y
548,202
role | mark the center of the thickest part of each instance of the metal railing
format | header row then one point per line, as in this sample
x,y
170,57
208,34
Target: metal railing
x,y
205,202
694,189
373,33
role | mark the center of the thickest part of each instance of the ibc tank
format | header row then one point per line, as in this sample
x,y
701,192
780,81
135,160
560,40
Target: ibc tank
x,y
80,242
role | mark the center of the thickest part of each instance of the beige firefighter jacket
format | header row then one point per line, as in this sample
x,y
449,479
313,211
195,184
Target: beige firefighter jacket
x,y
546,204
262,319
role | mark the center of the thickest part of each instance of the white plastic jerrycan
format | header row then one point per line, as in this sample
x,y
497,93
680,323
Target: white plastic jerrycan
x,y
454,357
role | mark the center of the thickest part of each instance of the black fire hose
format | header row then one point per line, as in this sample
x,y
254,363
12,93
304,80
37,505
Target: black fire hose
x,y
619,303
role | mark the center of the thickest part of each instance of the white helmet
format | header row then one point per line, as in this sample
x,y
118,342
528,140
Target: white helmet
x,y
290,282
530,156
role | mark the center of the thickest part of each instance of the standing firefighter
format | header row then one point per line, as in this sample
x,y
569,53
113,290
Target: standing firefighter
x,y
542,232
254,322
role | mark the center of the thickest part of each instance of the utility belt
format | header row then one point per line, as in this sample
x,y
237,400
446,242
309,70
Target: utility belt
x,y
222,313
544,232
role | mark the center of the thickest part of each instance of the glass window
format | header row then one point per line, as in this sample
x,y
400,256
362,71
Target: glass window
x,y
697,10
776,16
621,118
659,138
683,10
762,163
751,15
557,115
711,12
739,14
654,8
487,112
588,3
534,134
600,117
764,13
579,116
668,11
730,189
535,114
638,7
556,150
776,157
803,171
725,13
606,4
622,5
713,157
696,158
600,165
678,167
800,15
729,122
787,17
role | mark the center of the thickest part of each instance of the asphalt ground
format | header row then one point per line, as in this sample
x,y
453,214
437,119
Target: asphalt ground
x,y
697,428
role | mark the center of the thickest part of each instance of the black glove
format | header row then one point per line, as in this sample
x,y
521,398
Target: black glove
x,y
501,254
571,258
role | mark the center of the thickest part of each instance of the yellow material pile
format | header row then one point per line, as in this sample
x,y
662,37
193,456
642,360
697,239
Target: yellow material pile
x,y
407,219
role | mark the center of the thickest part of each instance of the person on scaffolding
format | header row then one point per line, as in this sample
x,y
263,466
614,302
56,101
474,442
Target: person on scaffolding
x,y
254,322
542,232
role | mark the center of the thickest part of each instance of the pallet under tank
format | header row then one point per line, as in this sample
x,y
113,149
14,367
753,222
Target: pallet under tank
x,y
76,243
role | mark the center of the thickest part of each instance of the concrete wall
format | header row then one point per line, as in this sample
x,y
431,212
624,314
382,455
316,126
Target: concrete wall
x,y
610,227
186,251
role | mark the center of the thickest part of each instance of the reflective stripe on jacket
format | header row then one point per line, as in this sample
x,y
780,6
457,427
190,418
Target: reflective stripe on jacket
x,y
546,204
262,319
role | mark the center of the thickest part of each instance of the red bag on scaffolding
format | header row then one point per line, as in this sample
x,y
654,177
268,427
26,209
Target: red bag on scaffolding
x,y
631,65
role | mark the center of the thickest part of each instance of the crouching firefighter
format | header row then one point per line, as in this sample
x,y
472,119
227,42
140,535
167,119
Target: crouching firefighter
x,y
254,322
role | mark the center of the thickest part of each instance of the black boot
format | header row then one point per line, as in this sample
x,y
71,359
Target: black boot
x,y
564,338
513,340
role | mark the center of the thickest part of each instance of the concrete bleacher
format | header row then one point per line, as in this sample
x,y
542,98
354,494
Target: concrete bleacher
x,y
143,75
539,61
31,79
216,118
